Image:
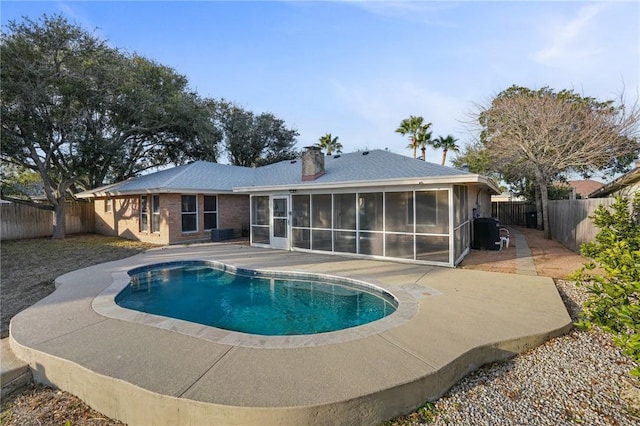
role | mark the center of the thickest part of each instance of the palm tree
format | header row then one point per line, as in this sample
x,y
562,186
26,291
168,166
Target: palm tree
x,y
330,144
412,126
423,138
446,144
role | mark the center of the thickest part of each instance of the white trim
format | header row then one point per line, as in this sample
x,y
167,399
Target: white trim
x,y
449,234
279,243
439,180
148,191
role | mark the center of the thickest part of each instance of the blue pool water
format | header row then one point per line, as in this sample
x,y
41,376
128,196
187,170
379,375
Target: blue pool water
x,y
249,302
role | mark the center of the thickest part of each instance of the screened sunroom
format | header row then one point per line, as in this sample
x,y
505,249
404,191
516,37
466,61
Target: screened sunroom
x,y
426,225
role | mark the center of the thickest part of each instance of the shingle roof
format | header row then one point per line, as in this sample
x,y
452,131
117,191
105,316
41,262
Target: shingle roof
x,y
628,179
373,166
196,176
585,187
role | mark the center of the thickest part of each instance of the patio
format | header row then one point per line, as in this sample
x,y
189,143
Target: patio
x,y
463,319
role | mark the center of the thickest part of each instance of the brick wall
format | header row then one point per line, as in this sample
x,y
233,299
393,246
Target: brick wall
x,y
233,212
105,220
124,218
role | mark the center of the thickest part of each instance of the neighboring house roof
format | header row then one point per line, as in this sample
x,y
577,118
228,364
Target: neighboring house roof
x,y
368,168
584,187
629,179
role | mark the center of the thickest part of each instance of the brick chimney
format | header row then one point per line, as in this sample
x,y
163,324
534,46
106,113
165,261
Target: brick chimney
x,y
312,163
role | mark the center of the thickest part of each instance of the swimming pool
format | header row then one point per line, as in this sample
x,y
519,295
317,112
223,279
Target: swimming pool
x,y
247,301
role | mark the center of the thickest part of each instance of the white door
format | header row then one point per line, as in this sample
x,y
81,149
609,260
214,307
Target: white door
x,y
280,222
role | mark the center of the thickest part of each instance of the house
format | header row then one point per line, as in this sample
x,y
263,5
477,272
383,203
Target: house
x,y
585,187
372,203
626,185
178,205
506,197
581,188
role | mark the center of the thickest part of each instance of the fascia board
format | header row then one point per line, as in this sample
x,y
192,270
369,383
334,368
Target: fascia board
x,y
149,191
455,179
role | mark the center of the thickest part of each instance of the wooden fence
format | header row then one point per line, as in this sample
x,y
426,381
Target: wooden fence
x,y
569,220
20,221
570,223
513,212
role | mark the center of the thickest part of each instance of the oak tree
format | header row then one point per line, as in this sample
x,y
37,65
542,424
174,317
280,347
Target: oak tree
x,y
81,113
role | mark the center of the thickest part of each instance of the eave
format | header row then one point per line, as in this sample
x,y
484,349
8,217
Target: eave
x,y
439,180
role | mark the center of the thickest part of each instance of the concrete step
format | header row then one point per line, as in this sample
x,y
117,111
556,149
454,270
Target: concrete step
x,y
14,373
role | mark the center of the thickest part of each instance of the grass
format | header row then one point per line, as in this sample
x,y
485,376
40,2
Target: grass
x,y
29,267
28,271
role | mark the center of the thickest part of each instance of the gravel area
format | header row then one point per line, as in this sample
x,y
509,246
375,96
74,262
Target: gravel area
x,y
579,378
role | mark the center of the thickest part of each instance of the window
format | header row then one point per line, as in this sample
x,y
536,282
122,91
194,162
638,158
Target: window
x,y
189,213
144,214
155,213
210,212
108,205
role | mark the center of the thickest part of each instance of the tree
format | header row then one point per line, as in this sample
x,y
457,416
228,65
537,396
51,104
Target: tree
x,y
423,139
541,134
446,144
476,157
413,126
80,113
16,181
254,140
330,144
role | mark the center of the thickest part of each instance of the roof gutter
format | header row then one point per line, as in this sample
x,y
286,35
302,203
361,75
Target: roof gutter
x,y
456,179
148,191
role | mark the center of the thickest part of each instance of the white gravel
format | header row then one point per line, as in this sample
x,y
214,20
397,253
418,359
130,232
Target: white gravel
x,y
580,378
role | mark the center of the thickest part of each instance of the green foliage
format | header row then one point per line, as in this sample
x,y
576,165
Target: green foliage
x,y
446,144
417,130
423,140
254,140
330,144
425,414
428,411
614,298
18,182
80,113
476,157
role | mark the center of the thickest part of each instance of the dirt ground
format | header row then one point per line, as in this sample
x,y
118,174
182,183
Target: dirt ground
x,y
29,267
551,258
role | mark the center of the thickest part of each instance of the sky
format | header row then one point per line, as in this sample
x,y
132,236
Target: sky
x,y
356,69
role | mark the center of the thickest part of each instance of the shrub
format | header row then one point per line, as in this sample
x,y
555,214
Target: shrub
x,y
613,301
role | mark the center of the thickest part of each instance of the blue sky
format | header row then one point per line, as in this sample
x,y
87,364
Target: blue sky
x,y
357,68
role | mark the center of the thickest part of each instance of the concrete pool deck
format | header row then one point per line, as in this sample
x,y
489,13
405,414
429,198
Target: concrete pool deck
x,y
146,372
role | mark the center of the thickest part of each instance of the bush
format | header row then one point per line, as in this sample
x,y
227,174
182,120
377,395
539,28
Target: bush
x,y
614,298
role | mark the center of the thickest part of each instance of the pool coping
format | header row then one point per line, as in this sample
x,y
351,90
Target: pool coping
x,y
148,375
407,307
